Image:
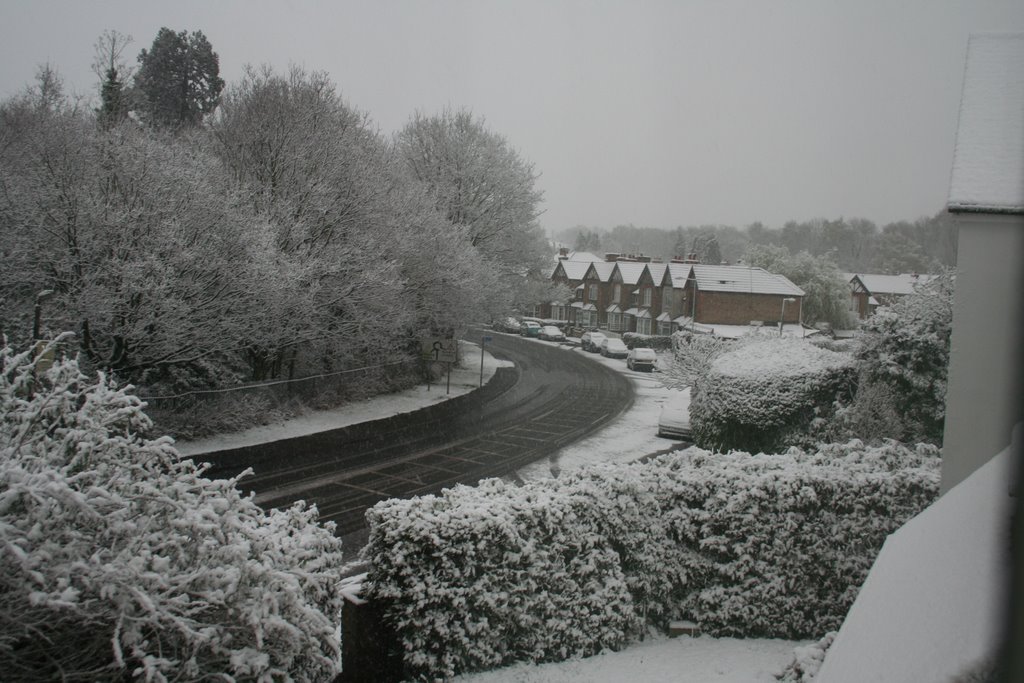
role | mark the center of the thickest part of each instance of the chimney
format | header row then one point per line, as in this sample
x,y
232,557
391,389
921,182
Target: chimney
x,y
611,258
563,253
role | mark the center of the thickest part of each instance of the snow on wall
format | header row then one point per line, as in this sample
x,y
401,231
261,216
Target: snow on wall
x,y
931,606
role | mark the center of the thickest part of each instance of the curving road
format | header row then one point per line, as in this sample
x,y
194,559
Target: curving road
x,y
551,398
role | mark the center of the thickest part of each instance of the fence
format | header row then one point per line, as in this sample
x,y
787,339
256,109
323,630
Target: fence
x,y
353,382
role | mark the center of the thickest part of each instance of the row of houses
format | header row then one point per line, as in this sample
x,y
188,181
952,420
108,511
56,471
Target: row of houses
x,y
626,293
636,294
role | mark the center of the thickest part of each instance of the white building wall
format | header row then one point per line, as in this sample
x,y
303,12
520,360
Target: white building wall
x,y
984,396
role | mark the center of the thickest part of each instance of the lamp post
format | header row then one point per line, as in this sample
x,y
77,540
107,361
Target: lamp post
x,y
38,312
782,320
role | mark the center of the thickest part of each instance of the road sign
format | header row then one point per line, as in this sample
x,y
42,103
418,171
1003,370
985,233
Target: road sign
x,y
439,349
488,340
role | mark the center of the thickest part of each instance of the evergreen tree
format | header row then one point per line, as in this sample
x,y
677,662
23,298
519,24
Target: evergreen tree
x,y
178,79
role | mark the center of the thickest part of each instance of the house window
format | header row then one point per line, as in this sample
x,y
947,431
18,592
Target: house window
x,y
647,296
615,322
665,328
618,293
643,325
592,292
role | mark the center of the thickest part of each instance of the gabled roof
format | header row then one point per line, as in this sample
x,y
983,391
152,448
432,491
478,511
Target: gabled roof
x,y
602,270
988,160
574,270
741,279
657,271
891,284
630,271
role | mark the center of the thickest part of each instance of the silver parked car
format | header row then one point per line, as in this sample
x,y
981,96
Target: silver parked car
x,y
641,359
614,348
591,341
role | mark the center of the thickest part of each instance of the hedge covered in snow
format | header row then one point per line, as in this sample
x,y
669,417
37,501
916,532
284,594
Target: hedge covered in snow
x,y
119,561
768,546
763,397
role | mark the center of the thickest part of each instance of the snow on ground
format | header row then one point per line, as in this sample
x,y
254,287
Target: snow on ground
x,y
632,435
660,659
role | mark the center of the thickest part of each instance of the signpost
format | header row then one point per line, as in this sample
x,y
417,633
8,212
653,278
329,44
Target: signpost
x,y
440,350
486,340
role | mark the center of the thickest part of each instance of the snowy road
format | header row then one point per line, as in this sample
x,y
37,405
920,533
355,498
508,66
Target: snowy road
x,y
550,399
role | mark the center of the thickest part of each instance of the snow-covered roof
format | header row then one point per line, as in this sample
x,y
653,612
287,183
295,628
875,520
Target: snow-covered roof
x,y
603,269
633,311
614,308
988,160
743,279
576,304
903,283
578,256
678,272
664,318
657,271
574,270
630,271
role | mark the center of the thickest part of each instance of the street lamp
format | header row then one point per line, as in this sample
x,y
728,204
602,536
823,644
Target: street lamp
x,y
782,319
38,311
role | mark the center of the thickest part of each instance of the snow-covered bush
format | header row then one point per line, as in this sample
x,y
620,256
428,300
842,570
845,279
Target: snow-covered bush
x,y
807,660
635,340
120,561
764,396
480,577
762,545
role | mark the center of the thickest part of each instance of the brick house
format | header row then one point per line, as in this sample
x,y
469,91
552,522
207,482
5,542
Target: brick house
x,y
570,274
595,295
868,292
728,295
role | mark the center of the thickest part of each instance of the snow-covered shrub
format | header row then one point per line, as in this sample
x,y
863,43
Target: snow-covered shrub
x,y
807,660
480,577
763,545
120,561
692,356
635,340
764,396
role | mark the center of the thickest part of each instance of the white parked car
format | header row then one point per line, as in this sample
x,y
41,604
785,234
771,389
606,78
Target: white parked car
x,y
614,348
591,341
641,359
674,422
551,333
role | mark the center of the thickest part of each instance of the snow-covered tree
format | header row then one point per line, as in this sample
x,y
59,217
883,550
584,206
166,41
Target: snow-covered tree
x,y
483,186
121,561
905,355
827,295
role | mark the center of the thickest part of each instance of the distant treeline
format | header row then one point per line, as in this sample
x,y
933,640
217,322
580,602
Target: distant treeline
x,y
854,245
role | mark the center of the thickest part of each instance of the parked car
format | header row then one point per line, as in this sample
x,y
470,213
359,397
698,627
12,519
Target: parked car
x,y
614,348
641,359
529,329
508,324
591,341
551,333
674,422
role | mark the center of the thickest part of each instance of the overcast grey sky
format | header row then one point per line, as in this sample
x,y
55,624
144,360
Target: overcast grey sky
x,y
652,113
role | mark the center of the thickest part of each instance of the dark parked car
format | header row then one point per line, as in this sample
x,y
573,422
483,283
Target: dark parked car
x,y
551,333
591,341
